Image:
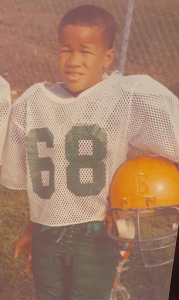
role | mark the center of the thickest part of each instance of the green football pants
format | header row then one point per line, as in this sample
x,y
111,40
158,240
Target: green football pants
x,y
73,262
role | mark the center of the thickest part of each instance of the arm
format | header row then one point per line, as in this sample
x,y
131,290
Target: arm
x,y
29,228
5,104
13,170
24,244
25,241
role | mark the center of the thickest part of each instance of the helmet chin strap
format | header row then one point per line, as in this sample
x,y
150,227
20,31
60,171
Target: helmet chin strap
x,y
119,287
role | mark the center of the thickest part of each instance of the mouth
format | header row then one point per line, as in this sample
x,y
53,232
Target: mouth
x,y
73,76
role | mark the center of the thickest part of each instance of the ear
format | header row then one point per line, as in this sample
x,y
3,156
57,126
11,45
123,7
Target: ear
x,y
109,57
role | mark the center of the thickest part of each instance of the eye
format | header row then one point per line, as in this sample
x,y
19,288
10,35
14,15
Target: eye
x,y
86,52
65,51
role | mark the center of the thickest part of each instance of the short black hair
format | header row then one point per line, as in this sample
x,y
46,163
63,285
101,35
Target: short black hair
x,y
93,16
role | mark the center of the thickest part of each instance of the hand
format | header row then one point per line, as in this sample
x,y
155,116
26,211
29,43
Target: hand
x,y
24,244
28,265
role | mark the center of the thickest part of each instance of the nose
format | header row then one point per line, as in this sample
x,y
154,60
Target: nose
x,y
74,60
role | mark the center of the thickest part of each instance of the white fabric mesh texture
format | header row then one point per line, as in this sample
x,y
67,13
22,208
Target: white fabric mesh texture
x,y
84,141
5,103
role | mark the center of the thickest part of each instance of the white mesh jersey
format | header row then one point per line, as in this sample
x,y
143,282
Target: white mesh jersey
x,y
65,150
5,104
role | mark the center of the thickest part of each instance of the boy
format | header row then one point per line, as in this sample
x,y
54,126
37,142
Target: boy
x,y
5,104
64,144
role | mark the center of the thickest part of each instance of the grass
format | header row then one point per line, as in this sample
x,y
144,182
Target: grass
x,y
14,283
29,55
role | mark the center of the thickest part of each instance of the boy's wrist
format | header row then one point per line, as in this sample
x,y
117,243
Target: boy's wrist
x,y
29,229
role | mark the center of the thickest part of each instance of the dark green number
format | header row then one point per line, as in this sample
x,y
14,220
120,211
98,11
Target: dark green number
x,y
95,162
77,161
38,164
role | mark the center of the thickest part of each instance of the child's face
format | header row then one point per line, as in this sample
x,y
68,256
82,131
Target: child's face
x,y
83,57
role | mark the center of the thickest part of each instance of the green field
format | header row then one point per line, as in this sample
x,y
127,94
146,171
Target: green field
x,y
28,54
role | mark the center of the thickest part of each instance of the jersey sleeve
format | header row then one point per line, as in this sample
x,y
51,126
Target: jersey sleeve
x,y
154,119
5,104
13,170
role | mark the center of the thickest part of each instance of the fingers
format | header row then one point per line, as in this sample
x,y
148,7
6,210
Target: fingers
x,y
27,250
28,266
17,251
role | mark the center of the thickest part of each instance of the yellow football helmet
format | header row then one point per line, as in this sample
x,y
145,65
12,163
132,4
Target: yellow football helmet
x,y
144,201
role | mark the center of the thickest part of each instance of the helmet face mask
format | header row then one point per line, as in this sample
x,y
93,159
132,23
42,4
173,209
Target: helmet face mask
x,y
148,232
152,245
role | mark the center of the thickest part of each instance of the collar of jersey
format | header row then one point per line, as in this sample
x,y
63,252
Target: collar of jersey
x,y
65,96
